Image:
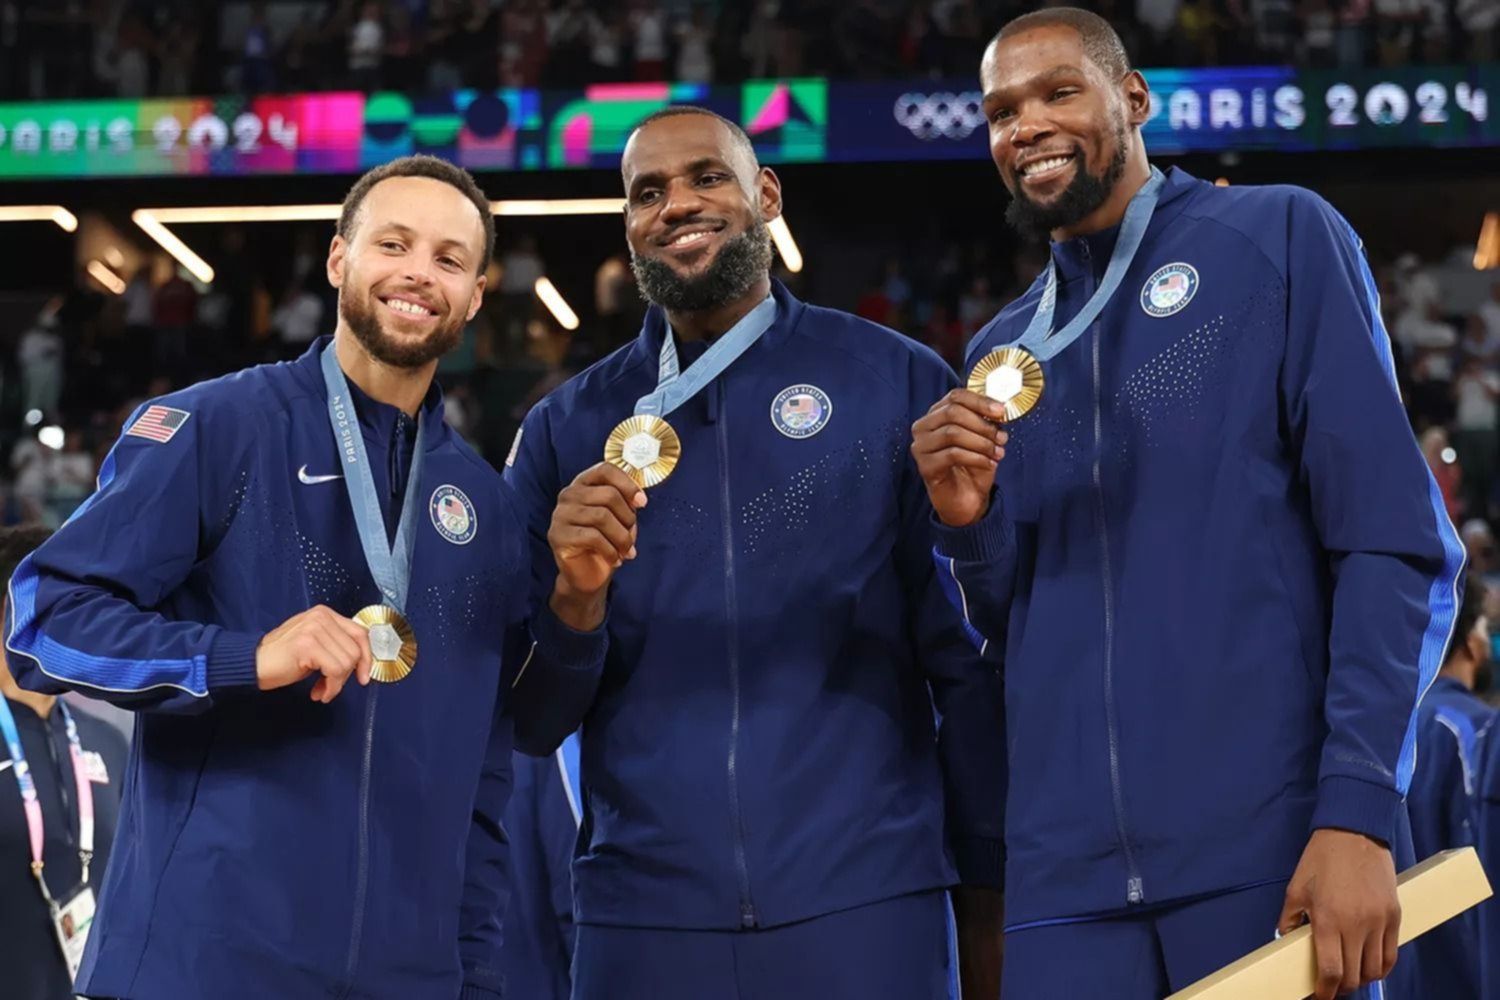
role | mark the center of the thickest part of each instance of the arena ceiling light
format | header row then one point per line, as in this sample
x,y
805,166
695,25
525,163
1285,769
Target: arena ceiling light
x,y
154,221
65,219
1487,248
556,304
100,272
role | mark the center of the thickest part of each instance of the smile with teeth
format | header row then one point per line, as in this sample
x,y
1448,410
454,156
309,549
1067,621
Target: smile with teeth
x,y
691,239
1037,168
410,308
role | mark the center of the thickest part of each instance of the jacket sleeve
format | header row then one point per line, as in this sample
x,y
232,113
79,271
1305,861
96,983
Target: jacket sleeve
x,y
1395,560
560,667
965,684
486,892
80,611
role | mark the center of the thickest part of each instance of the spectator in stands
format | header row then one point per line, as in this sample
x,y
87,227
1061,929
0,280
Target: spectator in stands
x,y
298,320
1476,432
648,25
257,67
1445,469
40,358
521,266
695,35
1489,315
367,48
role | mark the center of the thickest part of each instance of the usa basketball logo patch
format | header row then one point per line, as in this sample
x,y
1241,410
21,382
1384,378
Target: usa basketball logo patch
x,y
800,411
453,515
1169,290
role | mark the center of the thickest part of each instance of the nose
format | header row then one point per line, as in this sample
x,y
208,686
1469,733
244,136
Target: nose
x,y
680,201
1029,127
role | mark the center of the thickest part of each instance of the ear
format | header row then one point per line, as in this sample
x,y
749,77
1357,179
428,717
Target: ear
x,y
338,252
769,187
477,299
1137,95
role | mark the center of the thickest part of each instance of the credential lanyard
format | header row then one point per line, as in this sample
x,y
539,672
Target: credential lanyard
x,y
675,387
33,807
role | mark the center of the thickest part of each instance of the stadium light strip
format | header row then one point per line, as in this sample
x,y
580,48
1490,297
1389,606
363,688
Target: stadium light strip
x,y
65,219
1487,247
154,222
100,272
556,304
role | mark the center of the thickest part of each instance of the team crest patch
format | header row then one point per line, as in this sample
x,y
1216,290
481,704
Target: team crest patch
x,y
1169,290
453,515
800,411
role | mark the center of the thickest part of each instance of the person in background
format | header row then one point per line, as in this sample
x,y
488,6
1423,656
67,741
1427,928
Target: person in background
x,y
59,800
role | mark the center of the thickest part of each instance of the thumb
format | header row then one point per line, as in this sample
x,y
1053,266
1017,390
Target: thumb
x,y
1294,909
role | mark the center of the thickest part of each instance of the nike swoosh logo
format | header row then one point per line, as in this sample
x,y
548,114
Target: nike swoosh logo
x,y
306,480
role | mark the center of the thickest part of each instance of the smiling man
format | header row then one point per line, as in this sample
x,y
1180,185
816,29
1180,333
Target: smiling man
x,y
256,543
763,785
1213,562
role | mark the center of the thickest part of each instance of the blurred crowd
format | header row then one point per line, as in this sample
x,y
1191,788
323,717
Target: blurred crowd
x,y
53,49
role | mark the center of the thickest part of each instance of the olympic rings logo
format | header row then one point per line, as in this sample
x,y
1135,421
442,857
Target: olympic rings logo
x,y
940,116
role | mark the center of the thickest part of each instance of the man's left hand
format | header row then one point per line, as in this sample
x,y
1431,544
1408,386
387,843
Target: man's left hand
x,y
1345,885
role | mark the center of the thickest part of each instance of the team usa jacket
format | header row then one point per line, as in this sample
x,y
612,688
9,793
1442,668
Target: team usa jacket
x,y
1215,566
271,846
762,745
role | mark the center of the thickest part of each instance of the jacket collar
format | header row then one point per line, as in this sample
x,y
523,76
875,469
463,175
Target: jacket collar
x,y
1089,254
789,310
375,418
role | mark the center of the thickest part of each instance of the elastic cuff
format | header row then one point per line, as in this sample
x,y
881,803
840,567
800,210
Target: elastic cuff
x,y
1359,806
984,540
567,647
471,992
231,660
980,861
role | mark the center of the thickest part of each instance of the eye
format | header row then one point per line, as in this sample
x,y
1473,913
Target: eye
x,y
1062,92
710,178
449,263
647,196
1000,114
394,245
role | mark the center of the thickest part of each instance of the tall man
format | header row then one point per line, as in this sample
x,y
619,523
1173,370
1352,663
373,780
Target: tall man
x,y
1213,561
283,834
764,790
1444,794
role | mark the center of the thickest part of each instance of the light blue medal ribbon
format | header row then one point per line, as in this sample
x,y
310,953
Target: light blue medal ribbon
x,y
1039,339
675,387
390,564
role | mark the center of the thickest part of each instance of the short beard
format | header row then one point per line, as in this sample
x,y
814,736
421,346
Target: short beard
x,y
740,263
358,313
1081,197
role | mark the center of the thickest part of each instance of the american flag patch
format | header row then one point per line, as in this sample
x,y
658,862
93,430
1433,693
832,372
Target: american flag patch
x,y
158,423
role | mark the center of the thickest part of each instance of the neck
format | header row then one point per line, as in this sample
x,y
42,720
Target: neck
x,y
403,388
41,704
706,324
1461,669
1112,212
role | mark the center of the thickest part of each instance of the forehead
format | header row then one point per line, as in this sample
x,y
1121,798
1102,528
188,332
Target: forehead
x,y
668,146
1022,58
424,205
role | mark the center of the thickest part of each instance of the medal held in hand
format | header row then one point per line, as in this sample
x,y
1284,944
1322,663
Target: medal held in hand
x,y
646,448
1009,375
393,645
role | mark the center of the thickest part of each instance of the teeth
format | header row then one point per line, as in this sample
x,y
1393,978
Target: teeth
x,y
687,238
1047,164
400,305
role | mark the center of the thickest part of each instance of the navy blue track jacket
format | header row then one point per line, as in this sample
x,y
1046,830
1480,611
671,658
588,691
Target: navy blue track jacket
x,y
270,846
1215,566
1444,807
542,821
761,749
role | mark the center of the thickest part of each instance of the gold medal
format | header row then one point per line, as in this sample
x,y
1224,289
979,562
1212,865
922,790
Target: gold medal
x,y
646,448
392,642
1009,375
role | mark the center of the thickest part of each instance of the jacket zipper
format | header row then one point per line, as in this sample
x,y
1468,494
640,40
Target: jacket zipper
x,y
362,870
731,631
1134,889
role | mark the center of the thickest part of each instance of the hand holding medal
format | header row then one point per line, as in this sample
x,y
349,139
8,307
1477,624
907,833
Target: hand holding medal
x,y
592,535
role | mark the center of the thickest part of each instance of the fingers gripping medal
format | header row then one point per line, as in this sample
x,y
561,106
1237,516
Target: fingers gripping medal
x,y
393,645
646,448
1009,375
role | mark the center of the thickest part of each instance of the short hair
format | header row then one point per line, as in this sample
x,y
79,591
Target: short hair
x,y
1470,610
1101,43
16,543
421,165
736,134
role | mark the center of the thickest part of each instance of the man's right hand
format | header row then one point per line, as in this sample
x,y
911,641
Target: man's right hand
x,y
592,535
318,641
958,446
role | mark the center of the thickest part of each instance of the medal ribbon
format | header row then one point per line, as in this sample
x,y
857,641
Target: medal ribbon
x,y
33,807
390,564
1039,338
675,387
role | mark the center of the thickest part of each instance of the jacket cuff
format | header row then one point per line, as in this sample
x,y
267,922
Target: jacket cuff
x,y
980,861
1359,806
566,647
471,992
231,660
984,540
